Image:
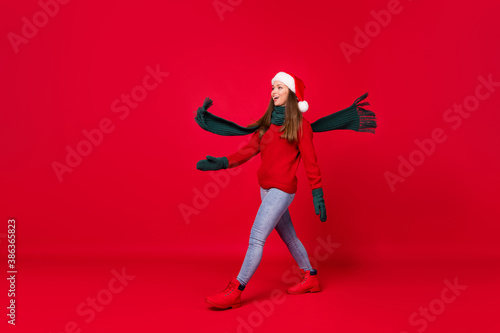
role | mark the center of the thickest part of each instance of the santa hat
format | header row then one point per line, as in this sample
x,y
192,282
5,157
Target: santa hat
x,y
294,84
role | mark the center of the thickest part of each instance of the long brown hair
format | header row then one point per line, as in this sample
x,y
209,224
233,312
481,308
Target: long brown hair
x,y
293,119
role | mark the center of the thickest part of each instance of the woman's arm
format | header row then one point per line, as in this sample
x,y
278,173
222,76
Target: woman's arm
x,y
308,154
246,152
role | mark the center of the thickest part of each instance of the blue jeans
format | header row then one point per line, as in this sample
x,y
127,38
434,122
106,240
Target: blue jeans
x,y
272,214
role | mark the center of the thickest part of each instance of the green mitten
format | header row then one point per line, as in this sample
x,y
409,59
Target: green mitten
x,y
212,163
319,203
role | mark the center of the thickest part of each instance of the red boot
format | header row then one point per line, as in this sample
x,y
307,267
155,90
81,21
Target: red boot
x,y
229,297
309,284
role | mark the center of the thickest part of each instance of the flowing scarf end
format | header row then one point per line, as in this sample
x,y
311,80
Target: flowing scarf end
x,y
217,125
367,119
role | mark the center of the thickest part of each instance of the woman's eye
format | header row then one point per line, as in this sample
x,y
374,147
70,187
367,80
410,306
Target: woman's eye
x,y
280,87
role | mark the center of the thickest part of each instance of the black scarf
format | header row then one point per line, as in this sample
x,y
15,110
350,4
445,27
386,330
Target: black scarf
x,y
354,117
278,115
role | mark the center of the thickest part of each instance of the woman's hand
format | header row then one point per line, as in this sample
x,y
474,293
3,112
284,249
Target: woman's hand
x,y
212,163
319,203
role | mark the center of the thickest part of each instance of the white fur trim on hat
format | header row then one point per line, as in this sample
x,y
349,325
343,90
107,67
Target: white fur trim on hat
x,y
286,78
303,106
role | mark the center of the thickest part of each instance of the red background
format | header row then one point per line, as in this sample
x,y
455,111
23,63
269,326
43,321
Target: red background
x,y
122,204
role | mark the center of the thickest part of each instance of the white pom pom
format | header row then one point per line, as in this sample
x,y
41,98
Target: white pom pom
x,y
303,106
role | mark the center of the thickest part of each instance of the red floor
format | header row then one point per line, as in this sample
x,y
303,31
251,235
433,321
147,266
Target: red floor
x,y
163,295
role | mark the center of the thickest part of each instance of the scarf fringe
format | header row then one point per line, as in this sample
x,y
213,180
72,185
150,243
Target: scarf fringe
x,y
207,103
202,112
367,118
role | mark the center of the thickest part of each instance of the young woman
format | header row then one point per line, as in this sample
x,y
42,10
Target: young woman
x,y
283,136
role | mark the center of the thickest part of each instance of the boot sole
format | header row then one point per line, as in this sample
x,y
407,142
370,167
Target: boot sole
x,y
218,306
312,290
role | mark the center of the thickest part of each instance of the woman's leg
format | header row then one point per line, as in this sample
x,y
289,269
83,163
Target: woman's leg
x,y
287,233
274,203
310,282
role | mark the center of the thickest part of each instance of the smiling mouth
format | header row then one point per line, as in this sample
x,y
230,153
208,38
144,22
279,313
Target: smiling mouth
x,y
276,98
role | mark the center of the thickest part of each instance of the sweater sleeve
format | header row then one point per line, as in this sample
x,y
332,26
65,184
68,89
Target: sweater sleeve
x,y
306,148
246,152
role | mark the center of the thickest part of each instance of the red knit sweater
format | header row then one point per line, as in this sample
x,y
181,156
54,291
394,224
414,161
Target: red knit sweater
x,y
280,159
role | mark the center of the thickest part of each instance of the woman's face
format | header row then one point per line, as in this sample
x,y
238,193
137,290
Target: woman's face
x,y
279,93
